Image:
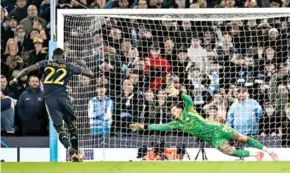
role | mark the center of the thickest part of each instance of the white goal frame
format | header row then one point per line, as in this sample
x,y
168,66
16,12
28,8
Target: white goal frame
x,y
58,150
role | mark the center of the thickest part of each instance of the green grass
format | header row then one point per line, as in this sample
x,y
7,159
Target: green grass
x,y
148,167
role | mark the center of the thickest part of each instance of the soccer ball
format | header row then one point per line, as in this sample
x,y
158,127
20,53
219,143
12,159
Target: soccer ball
x,y
81,155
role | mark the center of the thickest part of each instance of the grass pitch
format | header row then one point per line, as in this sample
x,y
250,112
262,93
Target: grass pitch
x,y
148,167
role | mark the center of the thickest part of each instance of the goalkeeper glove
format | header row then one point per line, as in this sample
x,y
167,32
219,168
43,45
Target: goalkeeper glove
x,y
136,127
172,91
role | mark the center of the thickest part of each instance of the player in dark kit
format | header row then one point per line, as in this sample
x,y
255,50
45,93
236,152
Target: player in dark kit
x,y
55,76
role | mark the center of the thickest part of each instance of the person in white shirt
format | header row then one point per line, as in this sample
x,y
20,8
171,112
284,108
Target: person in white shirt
x,y
196,54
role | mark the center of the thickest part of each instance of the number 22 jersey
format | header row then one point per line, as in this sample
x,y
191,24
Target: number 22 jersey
x,y
55,76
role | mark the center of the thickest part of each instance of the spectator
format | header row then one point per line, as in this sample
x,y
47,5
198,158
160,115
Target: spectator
x,y
4,87
268,123
31,110
28,21
8,26
179,67
21,85
129,107
144,40
169,50
15,63
100,113
139,82
20,10
198,83
213,114
221,103
11,49
284,126
244,114
7,114
157,67
196,54
142,4
21,38
39,53
37,24
275,3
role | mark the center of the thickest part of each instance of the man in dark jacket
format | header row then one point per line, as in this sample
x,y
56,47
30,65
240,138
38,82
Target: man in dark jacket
x,y
31,109
20,10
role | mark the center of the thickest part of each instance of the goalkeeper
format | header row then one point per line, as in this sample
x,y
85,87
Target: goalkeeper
x,y
188,120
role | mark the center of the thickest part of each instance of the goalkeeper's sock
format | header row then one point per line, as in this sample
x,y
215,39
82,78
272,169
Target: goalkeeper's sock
x,y
64,139
254,143
267,150
74,140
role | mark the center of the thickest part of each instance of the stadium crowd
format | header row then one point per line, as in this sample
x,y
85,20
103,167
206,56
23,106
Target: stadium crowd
x,y
216,63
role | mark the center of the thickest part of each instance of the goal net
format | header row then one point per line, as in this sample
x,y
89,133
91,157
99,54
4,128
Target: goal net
x,y
217,59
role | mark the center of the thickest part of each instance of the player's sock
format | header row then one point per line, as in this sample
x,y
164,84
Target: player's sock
x,y
254,143
74,139
64,139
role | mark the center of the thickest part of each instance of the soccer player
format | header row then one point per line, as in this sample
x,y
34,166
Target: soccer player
x,y
55,75
188,120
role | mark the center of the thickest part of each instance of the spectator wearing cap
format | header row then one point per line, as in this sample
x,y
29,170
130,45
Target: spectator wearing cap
x,y
244,114
100,112
31,110
28,21
20,10
39,53
7,114
268,123
196,53
156,67
8,28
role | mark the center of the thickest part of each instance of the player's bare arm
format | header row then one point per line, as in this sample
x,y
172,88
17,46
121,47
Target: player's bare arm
x,y
24,72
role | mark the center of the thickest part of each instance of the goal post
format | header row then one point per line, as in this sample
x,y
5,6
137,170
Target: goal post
x,y
218,41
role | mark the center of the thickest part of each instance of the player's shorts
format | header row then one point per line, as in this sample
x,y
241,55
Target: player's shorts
x,y
223,134
60,109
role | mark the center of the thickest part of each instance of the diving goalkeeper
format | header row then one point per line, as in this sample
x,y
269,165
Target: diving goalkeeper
x,y
188,120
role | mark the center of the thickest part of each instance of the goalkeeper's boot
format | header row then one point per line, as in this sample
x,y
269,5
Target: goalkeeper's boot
x,y
274,156
74,155
260,156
